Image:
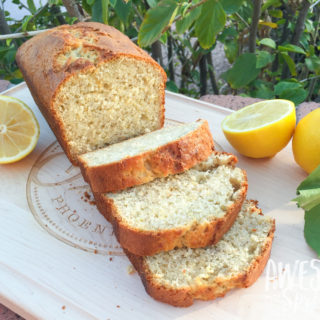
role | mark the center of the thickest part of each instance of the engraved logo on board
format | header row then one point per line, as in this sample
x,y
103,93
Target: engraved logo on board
x,y
62,203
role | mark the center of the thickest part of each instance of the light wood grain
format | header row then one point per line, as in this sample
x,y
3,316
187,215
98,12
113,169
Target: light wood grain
x,y
43,278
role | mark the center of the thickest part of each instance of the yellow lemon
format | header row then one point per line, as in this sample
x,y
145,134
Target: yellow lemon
x,y
261,129
19,130
306,141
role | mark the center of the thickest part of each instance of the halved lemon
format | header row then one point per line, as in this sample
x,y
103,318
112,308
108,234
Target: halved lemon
x,y
262,129
19,130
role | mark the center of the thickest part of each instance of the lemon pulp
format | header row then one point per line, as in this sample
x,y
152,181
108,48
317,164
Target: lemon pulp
x,y
261,129
19,130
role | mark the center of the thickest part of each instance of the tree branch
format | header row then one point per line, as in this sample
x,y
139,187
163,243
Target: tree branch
x,y
170,58
34,16
203,76
4,28
157,52
254,25
298,30
212,76
74,9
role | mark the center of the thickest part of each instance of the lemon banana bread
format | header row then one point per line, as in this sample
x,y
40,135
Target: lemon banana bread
x,y
142,159
93,85
179,276
192,209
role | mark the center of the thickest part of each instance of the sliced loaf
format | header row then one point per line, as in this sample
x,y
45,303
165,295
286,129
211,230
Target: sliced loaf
x,y
192,209
94,86
139,160
179,276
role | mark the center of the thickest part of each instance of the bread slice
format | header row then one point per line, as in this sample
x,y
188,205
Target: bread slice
x,y
94,86
192,209
153,155
179,276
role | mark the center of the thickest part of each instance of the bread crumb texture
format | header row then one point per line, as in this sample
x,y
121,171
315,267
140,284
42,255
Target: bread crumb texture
x,y
208,267
114,101
199,195
138,145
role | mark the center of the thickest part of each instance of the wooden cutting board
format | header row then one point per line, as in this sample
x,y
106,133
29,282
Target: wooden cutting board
x,y
59,264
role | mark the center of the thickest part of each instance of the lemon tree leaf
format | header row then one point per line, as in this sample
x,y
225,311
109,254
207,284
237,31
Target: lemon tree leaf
x,y
290,63
231,6
31,6
291,48
268,42
210,22
100,11
245,65
152,3
297,96
282,86
264,58
184,24
313,64
156,19
312,228
123,9
309,199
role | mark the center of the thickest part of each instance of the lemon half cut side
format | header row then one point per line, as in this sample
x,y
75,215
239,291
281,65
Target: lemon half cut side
x,y
19,130
261,129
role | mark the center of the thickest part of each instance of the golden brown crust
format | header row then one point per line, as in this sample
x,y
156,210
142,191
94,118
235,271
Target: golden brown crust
x,y
174,157
41,63
146,243
185,297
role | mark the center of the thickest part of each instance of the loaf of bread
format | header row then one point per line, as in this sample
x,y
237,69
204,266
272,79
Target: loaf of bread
x,y
139,160
192,209
93,85
179,276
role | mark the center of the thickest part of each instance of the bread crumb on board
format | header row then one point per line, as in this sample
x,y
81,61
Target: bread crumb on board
x,y
131,269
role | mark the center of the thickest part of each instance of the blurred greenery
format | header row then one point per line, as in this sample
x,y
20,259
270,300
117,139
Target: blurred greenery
x,y
275,56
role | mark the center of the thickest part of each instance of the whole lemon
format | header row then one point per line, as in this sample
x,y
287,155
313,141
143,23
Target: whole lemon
x,y
306,141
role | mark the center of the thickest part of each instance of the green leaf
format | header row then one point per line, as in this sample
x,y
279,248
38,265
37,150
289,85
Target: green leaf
x,y
113,3
268,42
291,48
297,96
312,228
31,6
86,6
229,33
243,71
25,22
290,63
264,58
285,85
308,199
90,2
311,182
164,37
152,3
231,48
10,56
156,19
123,10
184,24
276,13
264,92
100,11
313,64
231,6
210,22
269,3
171,86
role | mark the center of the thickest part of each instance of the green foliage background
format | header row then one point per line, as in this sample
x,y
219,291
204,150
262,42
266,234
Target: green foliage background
x,y
275,56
